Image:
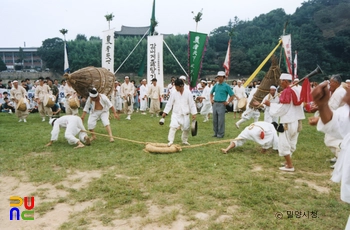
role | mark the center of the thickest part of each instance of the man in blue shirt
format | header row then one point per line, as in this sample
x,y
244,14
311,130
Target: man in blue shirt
x,y
218,97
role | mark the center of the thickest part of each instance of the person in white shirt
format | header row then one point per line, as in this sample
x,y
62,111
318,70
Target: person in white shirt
x,y
154,93
274,98
205,98
116,99
100,106
127,91
42,91
239,91
261,132
143,96
74,126
182,104
250,112
290,112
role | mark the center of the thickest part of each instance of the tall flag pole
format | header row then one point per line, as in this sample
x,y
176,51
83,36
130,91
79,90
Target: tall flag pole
x,y
153,24
296,65
227,62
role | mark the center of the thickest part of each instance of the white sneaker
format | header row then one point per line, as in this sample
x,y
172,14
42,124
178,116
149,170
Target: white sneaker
x,y
20,120
287,169
170,143
205,120
24,120
10,111
128,117
43,119
185,143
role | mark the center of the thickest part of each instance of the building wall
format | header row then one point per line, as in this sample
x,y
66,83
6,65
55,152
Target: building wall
x,y
31,60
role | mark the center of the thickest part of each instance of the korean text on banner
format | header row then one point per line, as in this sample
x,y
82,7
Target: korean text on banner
x,y
196,48
155,59
108,50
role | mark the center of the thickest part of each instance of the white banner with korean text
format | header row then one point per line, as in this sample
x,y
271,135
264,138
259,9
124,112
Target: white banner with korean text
x,y
155,60
108,50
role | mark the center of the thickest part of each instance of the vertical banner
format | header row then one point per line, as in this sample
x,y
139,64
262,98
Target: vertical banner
x,y
296,65
155,60
108,50
226,64
66,63
196,48
287,46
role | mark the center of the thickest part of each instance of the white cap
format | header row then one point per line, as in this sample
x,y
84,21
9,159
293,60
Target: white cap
x,y
116,82
93,93
239,81
144,80
204,81
273,87
14,81
221,74
126,77
347,81
296,79
208,82
182,77
286,76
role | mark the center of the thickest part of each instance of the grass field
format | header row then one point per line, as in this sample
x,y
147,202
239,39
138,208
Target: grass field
x,y
120,186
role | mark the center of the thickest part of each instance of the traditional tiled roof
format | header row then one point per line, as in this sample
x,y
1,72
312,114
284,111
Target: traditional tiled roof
x,y
131,31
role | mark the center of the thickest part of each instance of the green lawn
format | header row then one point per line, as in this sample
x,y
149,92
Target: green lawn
x,y
241,190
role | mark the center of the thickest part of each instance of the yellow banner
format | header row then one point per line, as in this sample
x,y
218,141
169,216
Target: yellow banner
x,y
261,65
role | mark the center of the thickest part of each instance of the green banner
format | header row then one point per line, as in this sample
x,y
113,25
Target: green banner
x,y
196,48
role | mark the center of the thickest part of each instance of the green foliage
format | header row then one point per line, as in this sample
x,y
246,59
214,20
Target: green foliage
x,y
2,65
319,28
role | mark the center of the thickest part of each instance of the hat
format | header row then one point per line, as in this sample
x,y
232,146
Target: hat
x,y
273,87
347,81
286,76
204,81
52,120
144,80
14,81
208,82
126,77
239,81
182,77
116,82
296,79
93,93
154,79
221,74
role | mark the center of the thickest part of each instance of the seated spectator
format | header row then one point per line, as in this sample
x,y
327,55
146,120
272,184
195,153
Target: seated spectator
x,y
7,106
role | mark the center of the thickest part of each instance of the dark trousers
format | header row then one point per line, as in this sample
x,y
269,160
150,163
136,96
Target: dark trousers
x,y
219,119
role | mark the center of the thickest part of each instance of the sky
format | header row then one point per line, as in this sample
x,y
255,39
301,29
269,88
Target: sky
x,y
27,23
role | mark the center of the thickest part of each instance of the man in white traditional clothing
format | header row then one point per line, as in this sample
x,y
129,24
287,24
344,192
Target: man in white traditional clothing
x,y
127,90
143,96
100,106
291,113
74,126
337,124
42,91
69,93
154,93
182,104
18,95
207,108
336,100
239,91
261,132
274,98
250,112
116,99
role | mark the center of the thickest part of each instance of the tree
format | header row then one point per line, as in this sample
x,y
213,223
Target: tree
x,y
2,65
51,53
197,18
109,18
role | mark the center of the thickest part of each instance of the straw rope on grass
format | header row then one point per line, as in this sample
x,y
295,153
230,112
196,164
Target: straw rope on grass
x,y
161,147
